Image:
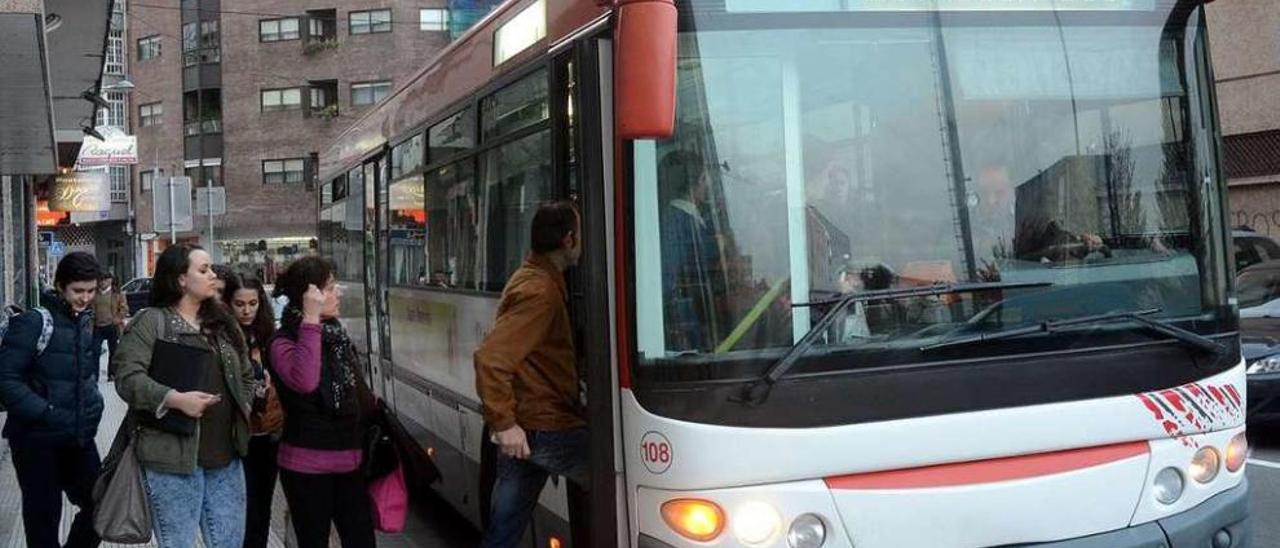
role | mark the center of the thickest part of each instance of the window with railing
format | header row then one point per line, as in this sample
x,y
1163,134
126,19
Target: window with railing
x,y
201,178
201,43
119,176
113,115
202,112
323,98
114,64
322,26
196,127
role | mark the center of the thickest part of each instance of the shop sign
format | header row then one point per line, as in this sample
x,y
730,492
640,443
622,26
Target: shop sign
x,y
81,191
118,149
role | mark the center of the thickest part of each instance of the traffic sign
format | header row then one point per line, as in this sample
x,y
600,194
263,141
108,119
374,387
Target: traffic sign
x,y
219,202
46,237
181,206
57,248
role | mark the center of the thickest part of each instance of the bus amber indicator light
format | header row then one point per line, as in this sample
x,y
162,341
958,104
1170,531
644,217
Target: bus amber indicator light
x,y
694,519
645,69
1237,451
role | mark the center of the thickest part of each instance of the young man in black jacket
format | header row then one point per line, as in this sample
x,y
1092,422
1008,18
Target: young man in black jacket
x,y
49,384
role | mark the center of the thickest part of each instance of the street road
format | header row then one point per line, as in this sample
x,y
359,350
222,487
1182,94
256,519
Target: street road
x,y
1263,471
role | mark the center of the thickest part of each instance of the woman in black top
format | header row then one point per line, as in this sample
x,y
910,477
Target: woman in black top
x,y
252,308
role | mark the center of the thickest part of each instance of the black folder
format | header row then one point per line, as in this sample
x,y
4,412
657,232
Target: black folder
x,y
180,367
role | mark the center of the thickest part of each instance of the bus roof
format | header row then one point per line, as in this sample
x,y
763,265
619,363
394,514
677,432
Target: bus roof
x,y
455,73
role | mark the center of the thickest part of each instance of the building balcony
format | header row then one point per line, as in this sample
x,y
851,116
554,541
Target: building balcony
x,y
207,127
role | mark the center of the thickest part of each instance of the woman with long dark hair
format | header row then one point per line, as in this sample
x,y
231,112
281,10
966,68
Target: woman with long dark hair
x,y
317,368
194,476
252,308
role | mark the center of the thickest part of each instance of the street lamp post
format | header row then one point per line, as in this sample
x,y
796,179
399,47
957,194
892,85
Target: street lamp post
x,y
124,86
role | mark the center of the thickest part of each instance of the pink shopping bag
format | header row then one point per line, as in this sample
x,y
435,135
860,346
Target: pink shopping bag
x,y
390,501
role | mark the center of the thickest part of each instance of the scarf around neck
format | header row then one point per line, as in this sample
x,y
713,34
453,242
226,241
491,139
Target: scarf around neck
x,y
338,379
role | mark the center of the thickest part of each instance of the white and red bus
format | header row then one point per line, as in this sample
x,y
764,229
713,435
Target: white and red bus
x,y
872,273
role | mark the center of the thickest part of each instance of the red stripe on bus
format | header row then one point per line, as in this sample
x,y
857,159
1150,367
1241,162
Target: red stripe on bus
x,y
991,470
621,246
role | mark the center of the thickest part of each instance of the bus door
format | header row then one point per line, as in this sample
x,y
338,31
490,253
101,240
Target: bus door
x,y
582,144
375,282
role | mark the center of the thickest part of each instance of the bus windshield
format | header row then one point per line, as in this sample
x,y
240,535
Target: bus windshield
x,y
1066,154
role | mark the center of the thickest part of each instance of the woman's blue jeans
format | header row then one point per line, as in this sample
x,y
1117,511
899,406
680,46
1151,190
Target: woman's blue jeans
x,y
211,501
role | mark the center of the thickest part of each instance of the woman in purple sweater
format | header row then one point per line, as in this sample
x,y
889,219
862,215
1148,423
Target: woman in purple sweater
x,y
320,449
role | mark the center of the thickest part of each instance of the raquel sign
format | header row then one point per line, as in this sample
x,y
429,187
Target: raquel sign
x,y
117,150
81,191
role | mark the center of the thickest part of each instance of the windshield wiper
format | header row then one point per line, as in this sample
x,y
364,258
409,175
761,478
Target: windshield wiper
x,y
1190,338
758,390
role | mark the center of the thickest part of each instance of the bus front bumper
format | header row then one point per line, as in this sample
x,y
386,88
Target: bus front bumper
x,y
1220,522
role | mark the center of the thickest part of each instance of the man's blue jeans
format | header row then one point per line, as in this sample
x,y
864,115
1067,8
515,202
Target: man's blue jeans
x,y
520,482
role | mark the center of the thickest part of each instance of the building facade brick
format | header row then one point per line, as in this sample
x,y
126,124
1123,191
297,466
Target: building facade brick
x,y
257,210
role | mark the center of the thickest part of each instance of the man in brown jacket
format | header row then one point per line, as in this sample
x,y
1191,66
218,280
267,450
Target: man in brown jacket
x,y
110,308
527,380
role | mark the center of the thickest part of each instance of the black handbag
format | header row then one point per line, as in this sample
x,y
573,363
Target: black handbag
x,y
381,456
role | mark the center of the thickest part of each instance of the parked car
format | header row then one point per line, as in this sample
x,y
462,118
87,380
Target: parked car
x,y
1258,295
1252,248
138,294
1263,357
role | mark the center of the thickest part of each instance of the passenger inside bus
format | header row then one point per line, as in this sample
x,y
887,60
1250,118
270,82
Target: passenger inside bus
x,y
692,264
827,197
1002,230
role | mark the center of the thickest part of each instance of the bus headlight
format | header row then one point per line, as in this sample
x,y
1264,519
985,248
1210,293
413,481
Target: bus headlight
x,y
1205,464
756,523
1269,364
807,531
1167,487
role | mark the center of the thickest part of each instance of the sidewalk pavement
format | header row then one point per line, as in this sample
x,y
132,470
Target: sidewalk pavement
x,y
453,531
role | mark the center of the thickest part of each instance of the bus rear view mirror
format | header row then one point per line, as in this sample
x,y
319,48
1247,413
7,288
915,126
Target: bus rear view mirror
x,y
645,69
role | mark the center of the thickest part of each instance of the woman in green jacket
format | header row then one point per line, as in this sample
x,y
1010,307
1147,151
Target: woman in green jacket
x,y
196,481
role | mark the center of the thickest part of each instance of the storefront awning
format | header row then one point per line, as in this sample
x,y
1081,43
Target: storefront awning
x,y
77,50
26,116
